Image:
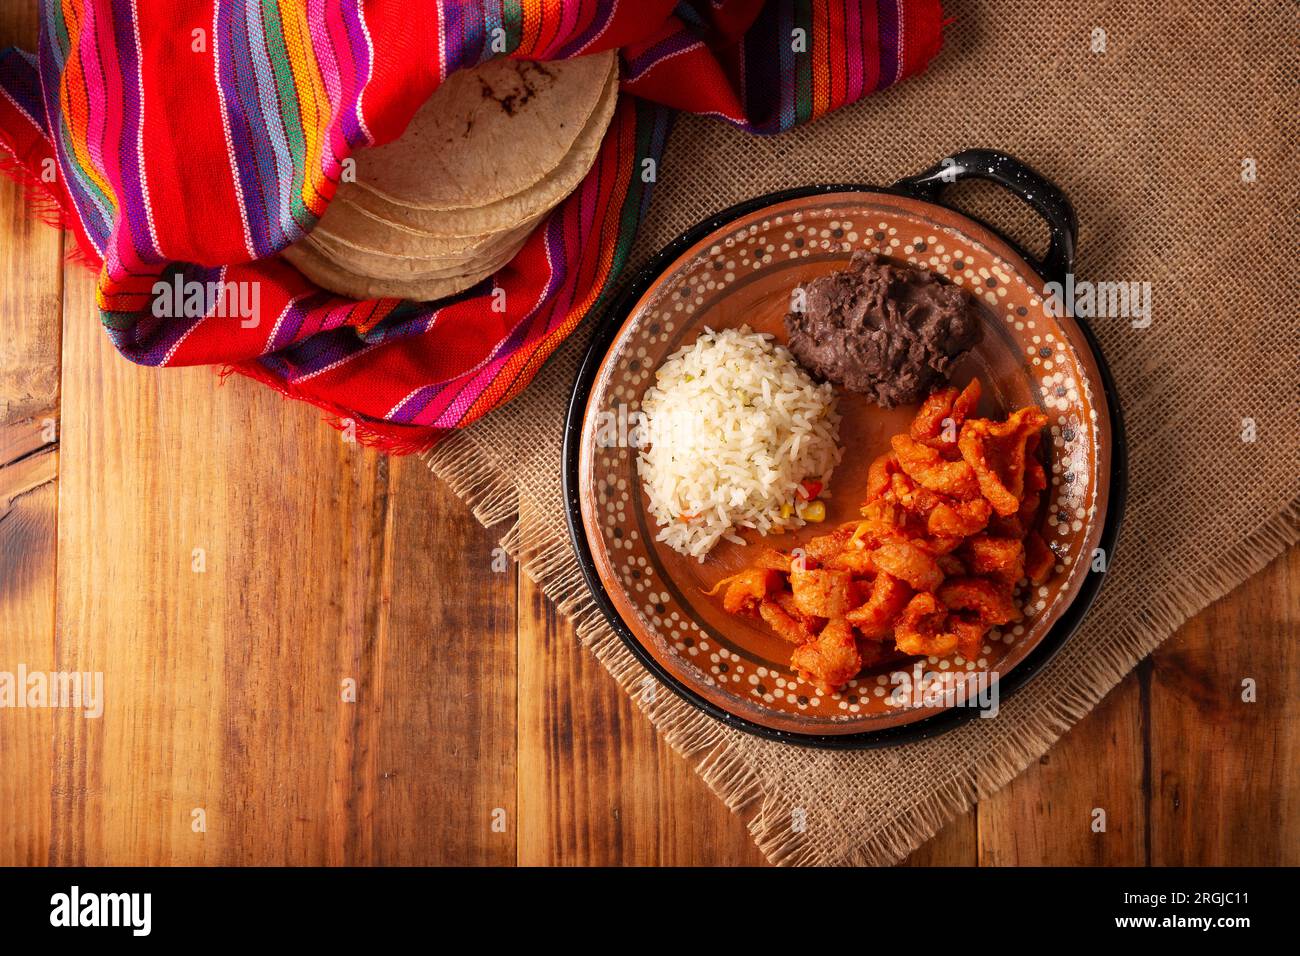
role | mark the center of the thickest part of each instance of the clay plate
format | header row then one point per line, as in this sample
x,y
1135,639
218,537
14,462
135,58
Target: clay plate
x,y
739,268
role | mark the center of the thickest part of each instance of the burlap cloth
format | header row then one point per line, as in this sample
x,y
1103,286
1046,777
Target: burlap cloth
x,y
1150,138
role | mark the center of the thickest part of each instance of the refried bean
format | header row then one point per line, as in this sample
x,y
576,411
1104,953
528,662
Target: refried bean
x,y
883,328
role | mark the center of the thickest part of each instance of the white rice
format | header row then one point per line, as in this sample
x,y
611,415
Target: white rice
x,y
734,424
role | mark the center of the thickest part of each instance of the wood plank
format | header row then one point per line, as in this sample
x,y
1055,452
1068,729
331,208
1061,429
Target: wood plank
x,y
597,786
27,567
1226,773
30,270
26,475
26,437
30,295
446,743
1045,816
19,24
956,844
221,560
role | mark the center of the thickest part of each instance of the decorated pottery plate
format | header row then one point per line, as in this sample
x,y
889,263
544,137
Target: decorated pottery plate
x,y
739,269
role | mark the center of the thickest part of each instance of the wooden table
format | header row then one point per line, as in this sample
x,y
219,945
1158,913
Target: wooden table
x,y
233,567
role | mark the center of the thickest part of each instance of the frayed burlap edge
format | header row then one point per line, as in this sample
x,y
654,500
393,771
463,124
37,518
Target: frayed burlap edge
x,y
712,748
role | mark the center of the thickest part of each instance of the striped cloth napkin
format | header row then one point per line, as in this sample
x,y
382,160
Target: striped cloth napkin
x,y
186,142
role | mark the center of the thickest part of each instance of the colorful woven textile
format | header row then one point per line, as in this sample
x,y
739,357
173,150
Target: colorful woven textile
x,y
185,142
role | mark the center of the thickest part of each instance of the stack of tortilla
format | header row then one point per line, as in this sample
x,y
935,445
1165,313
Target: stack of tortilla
x,y
449,202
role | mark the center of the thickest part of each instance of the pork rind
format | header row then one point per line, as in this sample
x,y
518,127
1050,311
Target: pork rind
x,y
947,536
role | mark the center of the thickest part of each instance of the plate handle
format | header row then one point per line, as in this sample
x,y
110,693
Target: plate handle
x,y
1036,190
